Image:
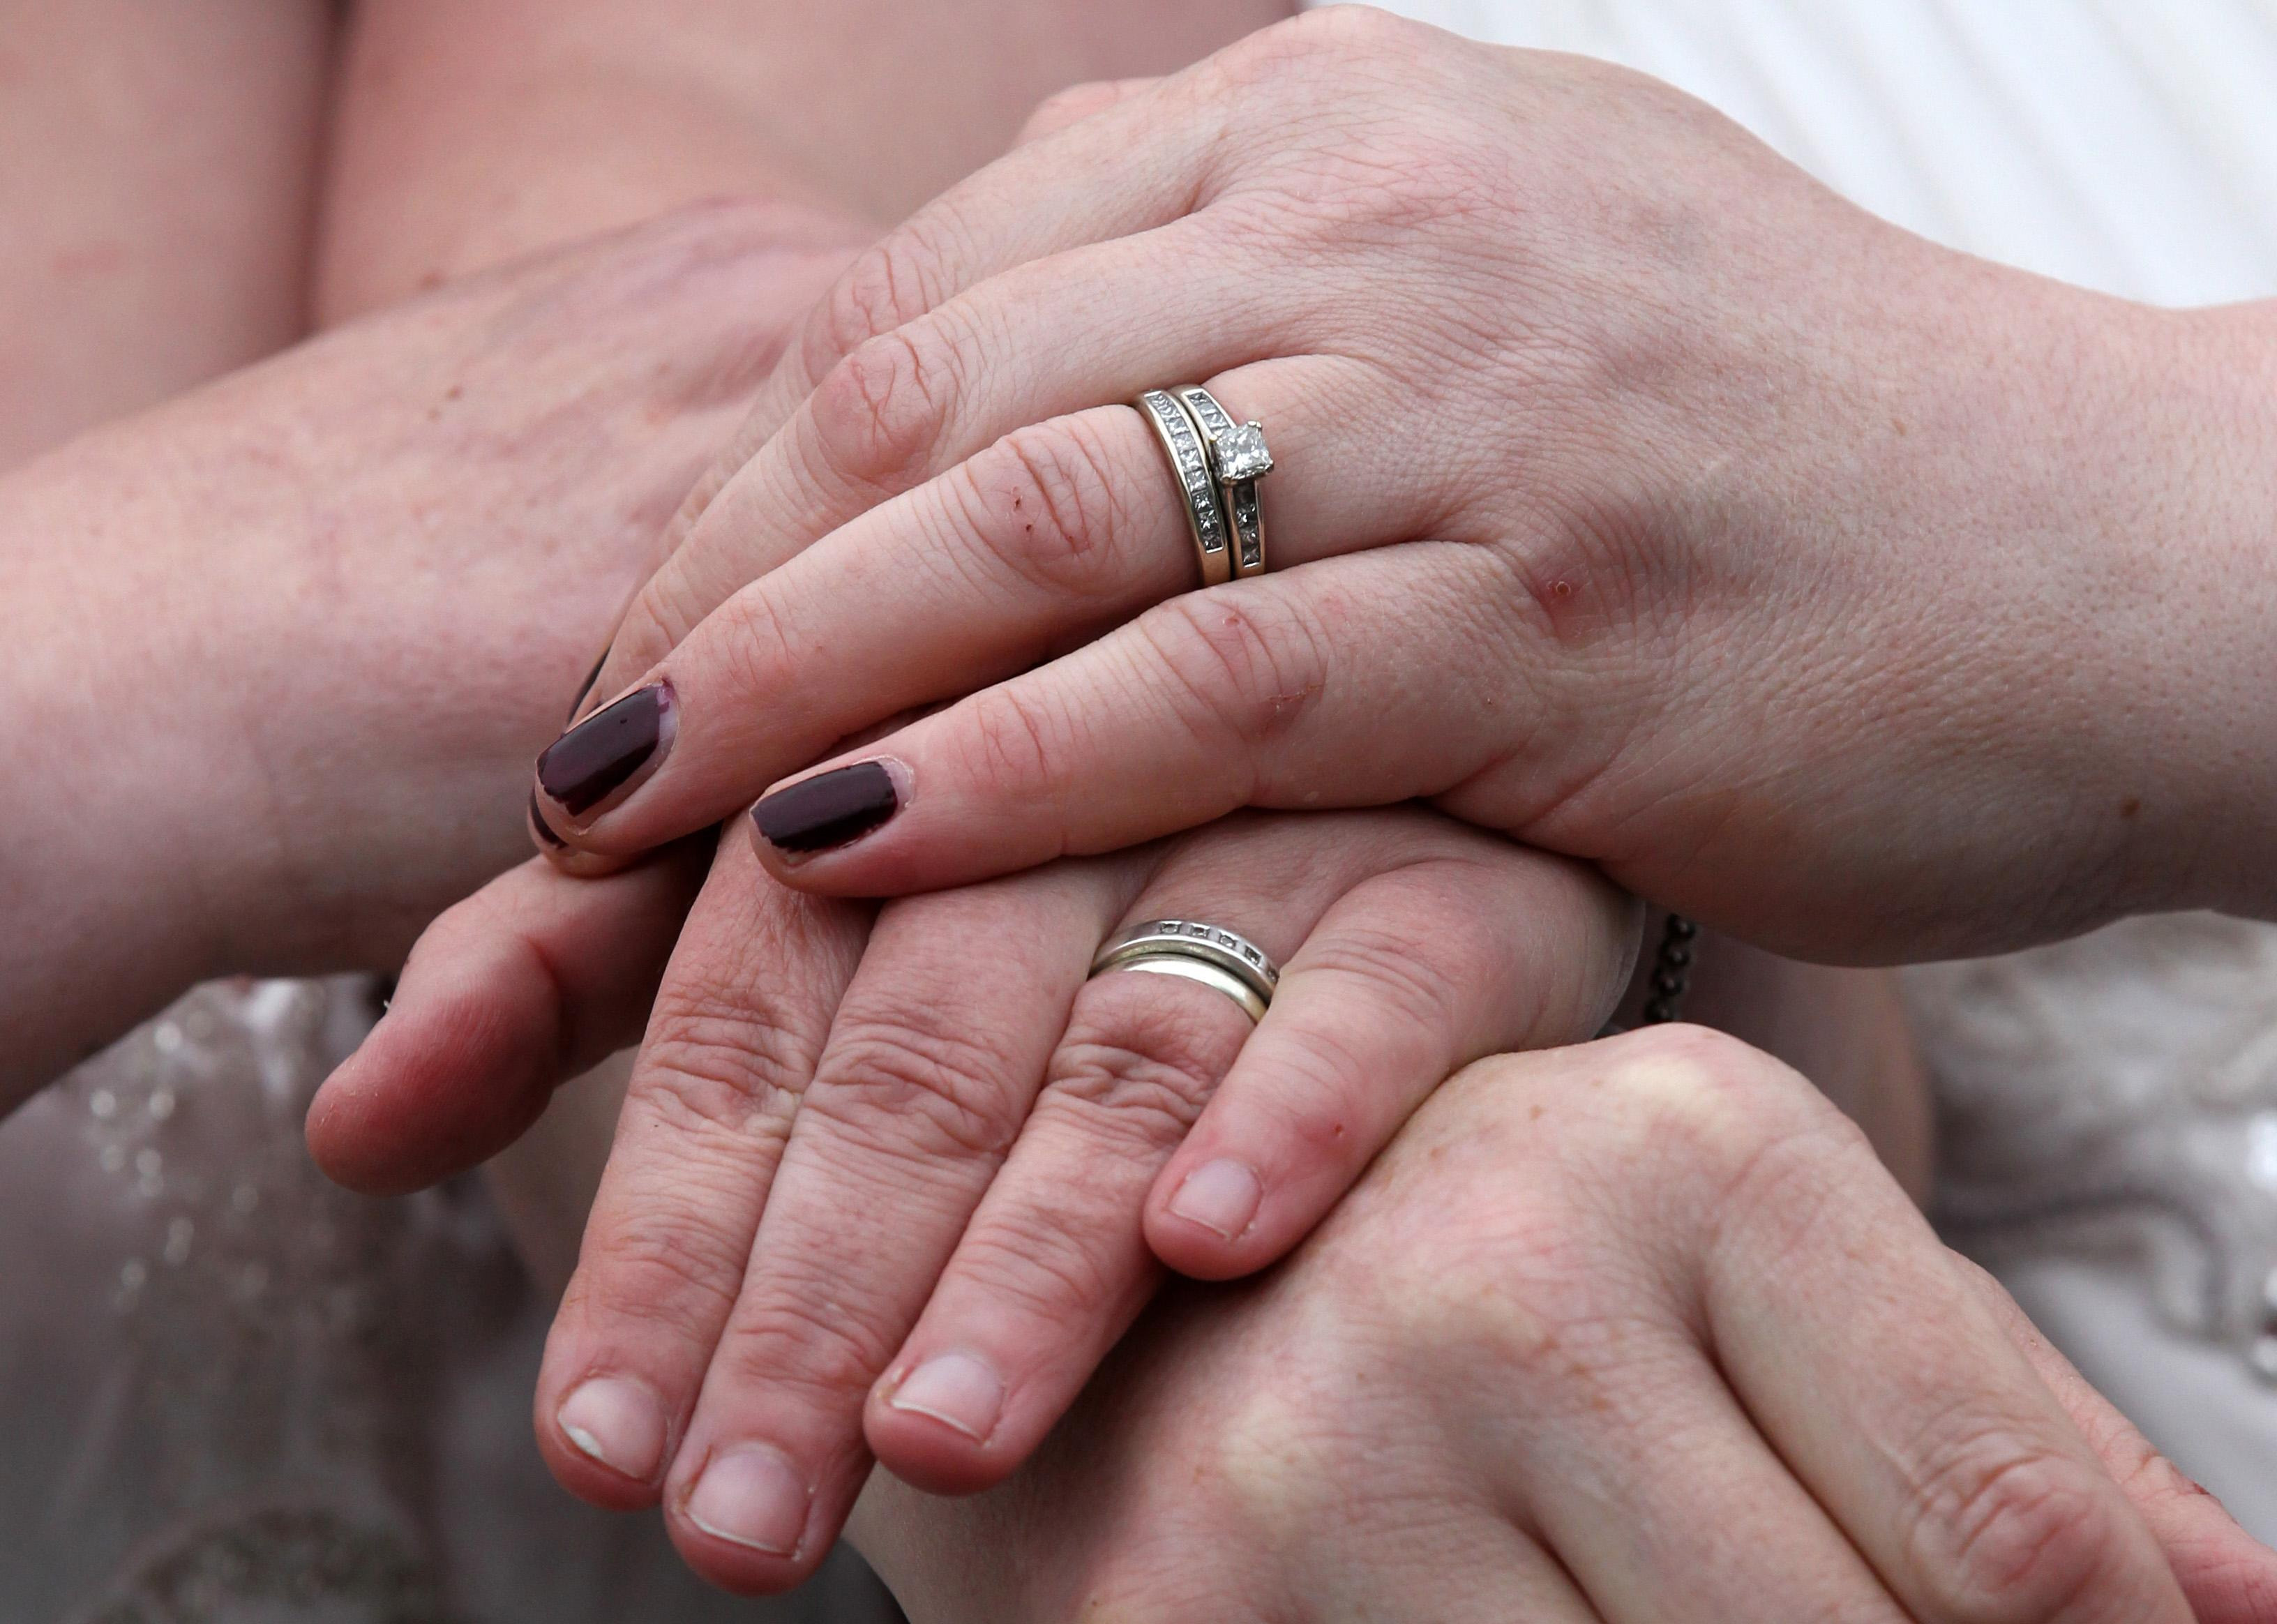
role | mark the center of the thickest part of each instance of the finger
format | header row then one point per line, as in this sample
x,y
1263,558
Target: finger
x,y
1053,1266
935,1059
533,980
1633,1464
1054,1263
1381,677
1409,977
1132,167
2229,1576
731,1045
1059,531
1906,1408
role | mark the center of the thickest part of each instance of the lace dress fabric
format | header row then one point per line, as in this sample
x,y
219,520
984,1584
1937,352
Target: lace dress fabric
x,y
242,1395
2107,1145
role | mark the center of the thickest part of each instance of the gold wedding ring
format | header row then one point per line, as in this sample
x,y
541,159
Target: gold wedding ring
x,y
1194,951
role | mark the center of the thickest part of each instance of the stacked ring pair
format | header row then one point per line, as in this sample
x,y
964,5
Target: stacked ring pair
x,y
1217,462
1216,957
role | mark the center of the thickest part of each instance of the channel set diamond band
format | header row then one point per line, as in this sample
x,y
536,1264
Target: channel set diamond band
x,y
1217,463
1195,952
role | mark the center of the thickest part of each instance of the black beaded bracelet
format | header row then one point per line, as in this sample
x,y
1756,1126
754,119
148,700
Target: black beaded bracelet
x,y
1671,971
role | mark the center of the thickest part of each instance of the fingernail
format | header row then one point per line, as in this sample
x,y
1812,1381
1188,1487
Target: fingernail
x,y
752,1496
1221,1196
541,828
586,687
603,753
827,810
957,1390
617,1423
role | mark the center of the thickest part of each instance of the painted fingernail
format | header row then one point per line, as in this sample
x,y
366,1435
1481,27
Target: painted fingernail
x,y
586,687
607,751
1221,1196
541,828
617,1423
957,1390
827,810
752,1497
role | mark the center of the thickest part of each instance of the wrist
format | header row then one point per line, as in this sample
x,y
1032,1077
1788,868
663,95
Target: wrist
x,y
2186,471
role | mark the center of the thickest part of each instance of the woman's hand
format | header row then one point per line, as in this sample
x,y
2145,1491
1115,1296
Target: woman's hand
x,y
905,1205
1636,497
277,655
1632,1331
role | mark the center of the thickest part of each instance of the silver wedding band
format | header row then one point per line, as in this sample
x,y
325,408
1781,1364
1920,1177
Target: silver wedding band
x,y
1216,464
1195,952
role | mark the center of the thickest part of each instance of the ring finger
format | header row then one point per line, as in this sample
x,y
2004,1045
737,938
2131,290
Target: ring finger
x,y
1422,946
1055,533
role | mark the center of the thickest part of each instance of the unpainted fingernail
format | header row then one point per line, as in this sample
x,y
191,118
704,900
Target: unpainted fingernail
x,y
827,810
1222,1196
608,750
751,1495
617,1421
957,1390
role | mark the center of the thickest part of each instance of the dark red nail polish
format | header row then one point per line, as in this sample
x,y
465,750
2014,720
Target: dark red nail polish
x,y
586,687
540,827
601,754
827,810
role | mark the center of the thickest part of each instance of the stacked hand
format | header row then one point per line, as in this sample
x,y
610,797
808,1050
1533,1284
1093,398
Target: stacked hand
x,y
1635,1332
1607,519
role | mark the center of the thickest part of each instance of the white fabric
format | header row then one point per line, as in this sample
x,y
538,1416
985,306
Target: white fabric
x,y
2109,1108
2125,145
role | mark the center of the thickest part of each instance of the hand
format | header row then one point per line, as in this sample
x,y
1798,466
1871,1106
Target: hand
x,y
305,628
1633,1331
827,1176
1637,497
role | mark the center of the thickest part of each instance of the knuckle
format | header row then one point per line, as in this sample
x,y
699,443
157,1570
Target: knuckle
x,y
879,412
2005,1528
663,1259
1146,1091
750,638
1041,1269
1247,665
709,1065
1047,501
1326,37
914,1086
889,283
1016,740
1720,1097
805,1334
1063,108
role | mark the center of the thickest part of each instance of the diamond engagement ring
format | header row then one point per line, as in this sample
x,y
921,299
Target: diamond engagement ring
x,y
1239,459
1216,957
1190,463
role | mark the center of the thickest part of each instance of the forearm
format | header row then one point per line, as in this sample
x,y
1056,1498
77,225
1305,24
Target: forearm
x,y
468,134
127,815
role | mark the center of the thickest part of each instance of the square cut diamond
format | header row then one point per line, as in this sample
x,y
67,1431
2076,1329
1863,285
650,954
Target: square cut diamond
x,y
1240,453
